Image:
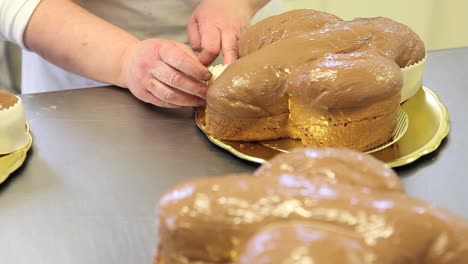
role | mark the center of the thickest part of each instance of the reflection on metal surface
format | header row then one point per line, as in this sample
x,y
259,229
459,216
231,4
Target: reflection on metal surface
x,y
422,126
11,162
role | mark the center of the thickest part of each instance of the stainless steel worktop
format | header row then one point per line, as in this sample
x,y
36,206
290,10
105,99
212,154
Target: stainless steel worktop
x,y
101,159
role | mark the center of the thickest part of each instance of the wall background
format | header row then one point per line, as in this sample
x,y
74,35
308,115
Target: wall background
x,y
441,24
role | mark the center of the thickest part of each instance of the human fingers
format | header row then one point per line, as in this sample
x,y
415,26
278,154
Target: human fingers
x,y
147,97
211,44
230,47
186,49
176,79
174,96
194,34
174,56
151,99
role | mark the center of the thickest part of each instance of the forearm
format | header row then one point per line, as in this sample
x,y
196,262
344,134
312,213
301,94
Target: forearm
x,y
69,36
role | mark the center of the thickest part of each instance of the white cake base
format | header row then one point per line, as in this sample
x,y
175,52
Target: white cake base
x,y
412,79
13,135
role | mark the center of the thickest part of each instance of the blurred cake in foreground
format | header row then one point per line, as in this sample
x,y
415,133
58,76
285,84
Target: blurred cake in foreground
x,y
308,206
310,75
12,123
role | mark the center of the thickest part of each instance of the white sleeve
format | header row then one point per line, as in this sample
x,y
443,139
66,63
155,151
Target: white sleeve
x,y
14,17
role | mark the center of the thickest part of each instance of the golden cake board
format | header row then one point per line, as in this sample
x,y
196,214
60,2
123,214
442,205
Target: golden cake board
x,y
12,161
427,125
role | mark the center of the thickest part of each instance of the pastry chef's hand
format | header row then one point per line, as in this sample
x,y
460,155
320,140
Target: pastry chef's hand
x,y
164,73
215,26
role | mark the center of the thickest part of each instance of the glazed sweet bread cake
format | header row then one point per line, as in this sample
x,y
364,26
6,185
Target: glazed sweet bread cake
x,y
310,75
327,205
12,123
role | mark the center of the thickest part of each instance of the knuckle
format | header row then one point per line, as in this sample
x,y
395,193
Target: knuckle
x,y
175,79
231,47
211,49
168,96
158,91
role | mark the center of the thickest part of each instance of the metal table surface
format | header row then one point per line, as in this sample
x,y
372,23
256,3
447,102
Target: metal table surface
x,y
101,159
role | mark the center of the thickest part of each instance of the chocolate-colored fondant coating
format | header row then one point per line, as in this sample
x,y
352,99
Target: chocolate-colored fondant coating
x,y
334,63
338,194
7,100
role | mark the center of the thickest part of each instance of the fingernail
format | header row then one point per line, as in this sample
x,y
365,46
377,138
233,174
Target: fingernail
x,y
207,76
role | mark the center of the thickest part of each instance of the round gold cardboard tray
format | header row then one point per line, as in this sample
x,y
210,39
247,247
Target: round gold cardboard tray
x,y
11,162
427,124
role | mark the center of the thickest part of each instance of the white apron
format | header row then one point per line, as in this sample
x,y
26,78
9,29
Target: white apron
x,y
143,18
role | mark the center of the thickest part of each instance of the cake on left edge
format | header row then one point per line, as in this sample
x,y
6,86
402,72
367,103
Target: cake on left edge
x,y
13,135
